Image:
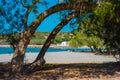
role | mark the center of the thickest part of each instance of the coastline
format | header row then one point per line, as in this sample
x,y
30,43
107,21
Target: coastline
x,y
40,46
63,57
34,46
60,57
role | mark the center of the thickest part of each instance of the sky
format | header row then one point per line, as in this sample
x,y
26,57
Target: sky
x,y
50,22
47,24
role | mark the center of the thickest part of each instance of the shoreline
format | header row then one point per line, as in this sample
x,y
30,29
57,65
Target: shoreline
x,y
32,46
40,46
63,58
35,46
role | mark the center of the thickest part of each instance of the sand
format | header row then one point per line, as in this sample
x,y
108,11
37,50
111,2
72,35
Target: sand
x,y
63,57
61,67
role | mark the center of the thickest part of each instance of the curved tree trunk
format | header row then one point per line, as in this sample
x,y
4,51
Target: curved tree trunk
x,y
18,57
39,61
52,36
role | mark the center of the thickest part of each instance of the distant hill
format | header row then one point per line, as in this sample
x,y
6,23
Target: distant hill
x,y
40,37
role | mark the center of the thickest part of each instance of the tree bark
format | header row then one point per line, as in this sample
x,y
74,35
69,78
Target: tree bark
x,y
18,57
19,53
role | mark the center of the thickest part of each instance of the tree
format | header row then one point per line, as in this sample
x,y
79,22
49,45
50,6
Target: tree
x,y
28,31
80,38
39,61
109,24
26,35
11,21
37,64
105,24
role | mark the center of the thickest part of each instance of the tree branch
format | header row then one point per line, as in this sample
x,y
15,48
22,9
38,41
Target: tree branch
x,y
56,8
29,9
53,34
23,4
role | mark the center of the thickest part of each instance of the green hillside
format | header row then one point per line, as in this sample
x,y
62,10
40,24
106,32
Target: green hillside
x,y
40,37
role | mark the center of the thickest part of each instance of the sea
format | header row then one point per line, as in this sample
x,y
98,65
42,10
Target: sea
x,y
9,50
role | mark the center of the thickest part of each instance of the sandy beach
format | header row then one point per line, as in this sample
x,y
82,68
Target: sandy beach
x,y
63,57
66,66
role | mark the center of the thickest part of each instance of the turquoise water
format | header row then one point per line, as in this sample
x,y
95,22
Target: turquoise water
x,y
4,50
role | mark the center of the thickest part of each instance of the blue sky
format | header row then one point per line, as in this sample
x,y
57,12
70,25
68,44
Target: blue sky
x,y
50,22
46,26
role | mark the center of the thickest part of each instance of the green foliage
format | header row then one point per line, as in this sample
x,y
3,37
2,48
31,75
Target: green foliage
x,y
82,39
11,21
11,14
12,39
57,40
79,39
105,23
37,41
39,38
107,19
62,37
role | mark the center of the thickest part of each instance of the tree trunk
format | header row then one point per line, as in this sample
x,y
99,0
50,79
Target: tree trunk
x,y
53,35
91,48
96,50
19,53
18,57
39,61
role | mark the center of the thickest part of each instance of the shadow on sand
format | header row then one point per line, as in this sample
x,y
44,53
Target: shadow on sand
x,y
64,71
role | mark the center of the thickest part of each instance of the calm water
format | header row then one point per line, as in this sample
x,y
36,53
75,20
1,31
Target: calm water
x,y
36,50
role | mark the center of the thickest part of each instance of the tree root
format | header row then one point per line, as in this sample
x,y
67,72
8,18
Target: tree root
x,y
36,65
